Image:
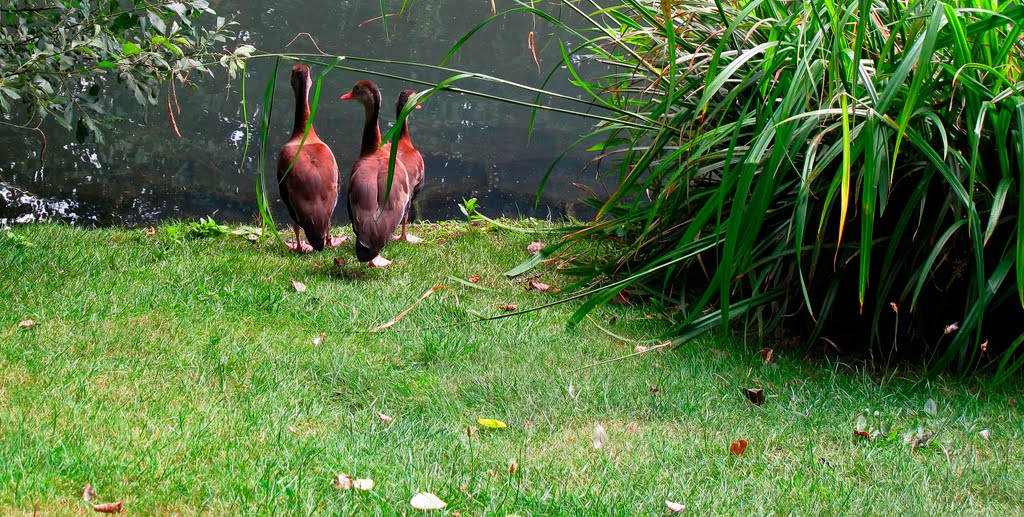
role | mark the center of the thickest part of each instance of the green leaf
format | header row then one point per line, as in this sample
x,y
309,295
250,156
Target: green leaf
x,y
131,49
106,65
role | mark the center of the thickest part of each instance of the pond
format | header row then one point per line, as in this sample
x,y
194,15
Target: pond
x,y
473,147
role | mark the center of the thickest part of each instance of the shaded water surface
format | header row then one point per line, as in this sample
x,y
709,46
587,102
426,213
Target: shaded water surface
x,y
473,147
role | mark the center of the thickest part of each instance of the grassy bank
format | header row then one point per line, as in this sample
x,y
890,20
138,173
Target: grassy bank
x,y
183,377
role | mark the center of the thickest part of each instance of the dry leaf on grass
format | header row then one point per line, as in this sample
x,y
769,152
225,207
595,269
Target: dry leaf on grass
x,y
339,262
299,286
633,427
319,340
427,501
508,308
474,278
491,423
384,417
27,324
513,468
621,298
767,354
738,448
537,286
931,407
343,481
674,507
150,232
600,437
402,314
755,395
862,434
88,493
108,507
535,246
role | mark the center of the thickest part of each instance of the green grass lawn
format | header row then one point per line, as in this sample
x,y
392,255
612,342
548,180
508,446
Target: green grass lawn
x,y
183,377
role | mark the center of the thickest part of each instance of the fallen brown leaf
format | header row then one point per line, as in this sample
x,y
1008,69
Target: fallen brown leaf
x,y
508,308
633,427
921,441
339,262
738,448
384,417
767,354
621,298
537,286
319,340
535,246
474,278
299,286
343,481
513,468
862,434
108,507
151,232
653,389
755,395
27,324
88,493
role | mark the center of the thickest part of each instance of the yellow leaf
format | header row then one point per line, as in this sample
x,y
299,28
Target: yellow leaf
x,y
491,423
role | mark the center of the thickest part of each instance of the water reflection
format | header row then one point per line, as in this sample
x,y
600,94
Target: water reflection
x,y
472,147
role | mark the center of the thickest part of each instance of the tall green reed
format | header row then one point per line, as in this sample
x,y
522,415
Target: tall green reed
x,y
843,161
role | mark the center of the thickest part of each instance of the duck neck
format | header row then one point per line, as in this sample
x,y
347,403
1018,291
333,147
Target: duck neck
x,y
301,111
371,130
404,134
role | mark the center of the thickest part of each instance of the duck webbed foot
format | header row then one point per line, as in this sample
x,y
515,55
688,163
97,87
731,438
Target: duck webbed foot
x,y
335,241
379,261
298,246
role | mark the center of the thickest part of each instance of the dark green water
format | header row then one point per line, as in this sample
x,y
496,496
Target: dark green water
x,y
473,147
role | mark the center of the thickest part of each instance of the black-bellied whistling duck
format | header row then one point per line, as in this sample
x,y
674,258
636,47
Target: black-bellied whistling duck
x,y
411,158
310,188
373,221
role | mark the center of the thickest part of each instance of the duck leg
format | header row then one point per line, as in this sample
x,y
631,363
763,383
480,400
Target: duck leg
x,y
412,239
297,245
332,241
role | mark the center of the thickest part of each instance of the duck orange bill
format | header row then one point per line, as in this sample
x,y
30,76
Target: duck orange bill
x,y
347,96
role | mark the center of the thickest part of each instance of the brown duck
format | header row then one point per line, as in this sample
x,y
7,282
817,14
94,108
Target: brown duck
x,y
412,159
373,220
310,188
